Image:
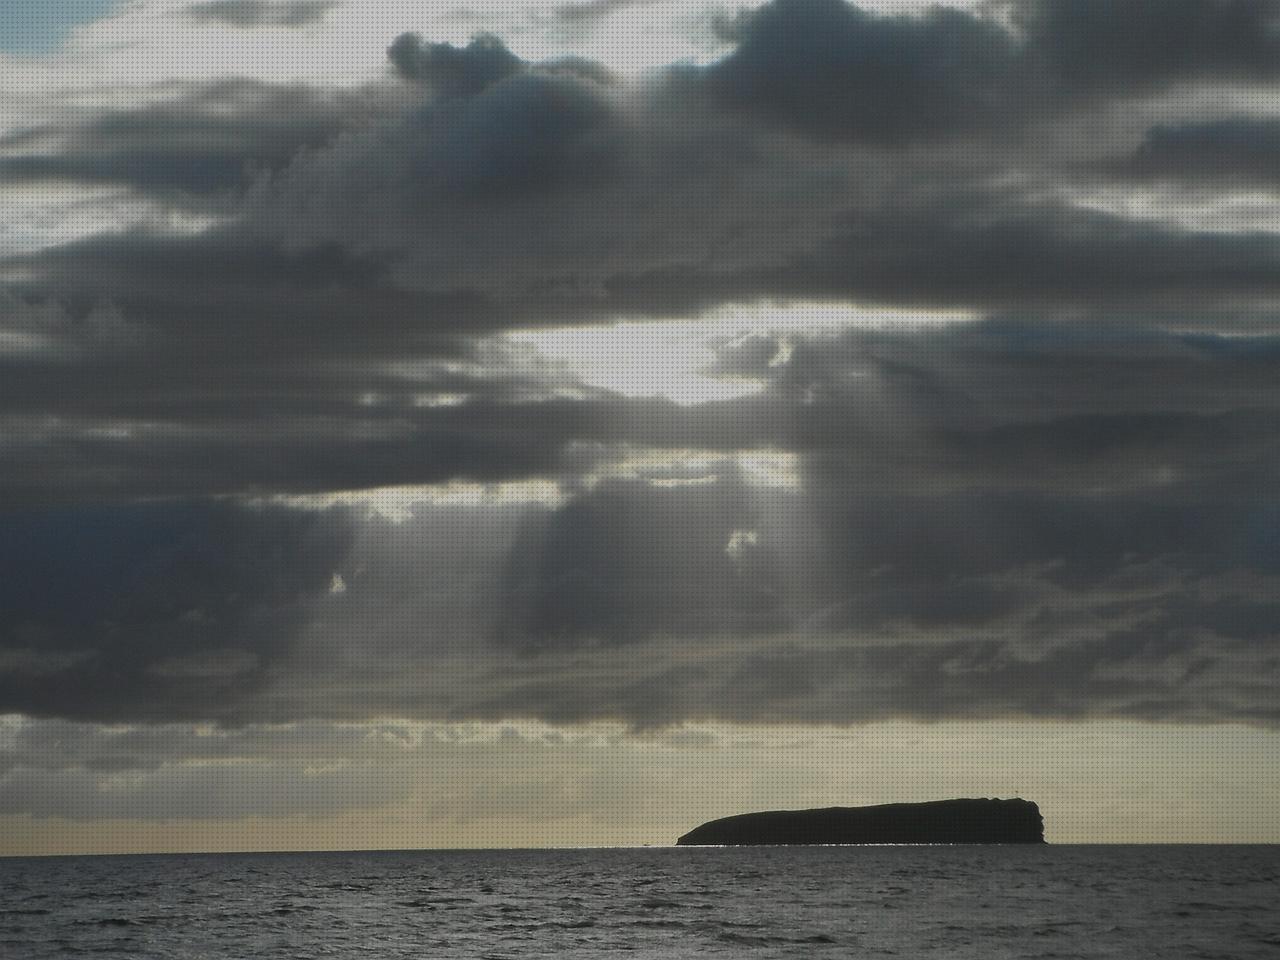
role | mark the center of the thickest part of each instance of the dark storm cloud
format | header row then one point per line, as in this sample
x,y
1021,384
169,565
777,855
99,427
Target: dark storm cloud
x,y
55,463
155,612
97,408
836,72
697,239
262,13
523,137
1023,373
845,599
515,131
502,198
972,606
522,169
629,561
1240,150
491,131
478,266
1061,508
453,71
997,258
1111,47
1028,408
215,411
943,561
211,137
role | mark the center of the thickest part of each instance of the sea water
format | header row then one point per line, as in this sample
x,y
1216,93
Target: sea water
x,y
1171,902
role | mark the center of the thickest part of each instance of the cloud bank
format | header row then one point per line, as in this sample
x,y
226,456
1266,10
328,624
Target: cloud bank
x,y
980,303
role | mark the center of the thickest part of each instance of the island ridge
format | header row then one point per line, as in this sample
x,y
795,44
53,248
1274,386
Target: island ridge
x,y
939,821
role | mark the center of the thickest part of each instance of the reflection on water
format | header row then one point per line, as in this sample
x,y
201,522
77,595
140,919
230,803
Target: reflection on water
x,y
953,902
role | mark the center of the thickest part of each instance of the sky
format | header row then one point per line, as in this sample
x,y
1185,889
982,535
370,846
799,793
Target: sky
x,y
561,422
38,26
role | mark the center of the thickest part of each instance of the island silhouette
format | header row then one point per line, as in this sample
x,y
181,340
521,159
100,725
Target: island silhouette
x,y
937,821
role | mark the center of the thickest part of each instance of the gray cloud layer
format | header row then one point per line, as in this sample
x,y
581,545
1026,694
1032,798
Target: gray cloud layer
x,y
950,549
199,140
262,13
1062,508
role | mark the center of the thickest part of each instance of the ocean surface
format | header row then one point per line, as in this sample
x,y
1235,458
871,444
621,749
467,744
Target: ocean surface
x,y
1171,902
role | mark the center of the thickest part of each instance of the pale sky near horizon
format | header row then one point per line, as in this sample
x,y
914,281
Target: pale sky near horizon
x,y
558,422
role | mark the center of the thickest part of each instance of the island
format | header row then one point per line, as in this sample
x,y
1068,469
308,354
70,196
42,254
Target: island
x,y
938,821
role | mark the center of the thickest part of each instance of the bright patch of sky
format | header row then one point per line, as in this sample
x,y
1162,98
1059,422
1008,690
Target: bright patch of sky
x,y
154,40
39,26
1213,209
675,360
398,504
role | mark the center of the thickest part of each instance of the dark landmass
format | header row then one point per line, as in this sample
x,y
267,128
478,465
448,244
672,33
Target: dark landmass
x,y
939,821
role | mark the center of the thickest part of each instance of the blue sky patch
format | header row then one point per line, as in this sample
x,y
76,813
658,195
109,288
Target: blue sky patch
x,y
38,26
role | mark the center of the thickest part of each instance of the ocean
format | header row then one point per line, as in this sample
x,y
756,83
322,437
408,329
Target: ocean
x,y
1170,902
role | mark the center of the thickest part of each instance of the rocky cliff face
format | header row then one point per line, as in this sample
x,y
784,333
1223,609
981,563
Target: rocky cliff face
x,y
940,821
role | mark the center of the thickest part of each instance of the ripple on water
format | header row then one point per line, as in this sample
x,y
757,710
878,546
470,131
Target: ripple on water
x,y
921,903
